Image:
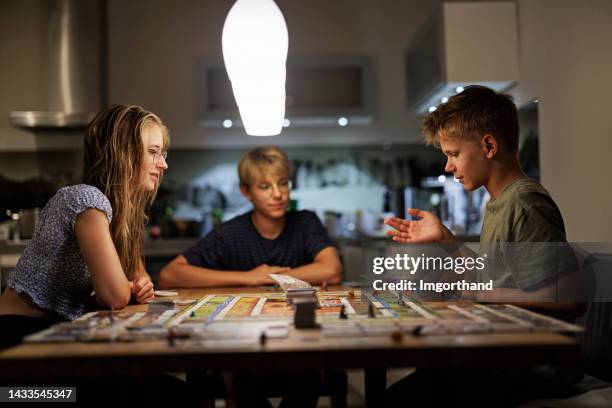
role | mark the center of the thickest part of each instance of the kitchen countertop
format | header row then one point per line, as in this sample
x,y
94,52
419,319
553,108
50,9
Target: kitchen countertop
x,y
12,247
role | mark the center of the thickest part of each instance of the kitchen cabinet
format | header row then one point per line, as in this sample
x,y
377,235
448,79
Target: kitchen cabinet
x,y
465,43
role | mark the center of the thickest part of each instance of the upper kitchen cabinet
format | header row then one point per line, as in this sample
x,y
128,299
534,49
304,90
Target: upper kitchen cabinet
x,y
466,43
320,92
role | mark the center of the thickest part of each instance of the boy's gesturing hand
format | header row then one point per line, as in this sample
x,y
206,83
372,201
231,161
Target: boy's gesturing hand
x,y
142,289
259,275
428,229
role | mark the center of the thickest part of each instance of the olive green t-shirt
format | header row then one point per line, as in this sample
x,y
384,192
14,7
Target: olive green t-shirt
x,y
519,230
524,212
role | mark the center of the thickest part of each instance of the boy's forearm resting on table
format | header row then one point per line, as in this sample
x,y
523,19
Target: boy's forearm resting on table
x,y
180,274
325,268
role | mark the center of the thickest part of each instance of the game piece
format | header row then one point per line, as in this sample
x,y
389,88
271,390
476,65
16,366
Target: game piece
x,y
324,286
309,294
166,293
371,312
304,315
182,302
171,337
351,294
263,339
343,314
417,330
111,316
193,314
397,336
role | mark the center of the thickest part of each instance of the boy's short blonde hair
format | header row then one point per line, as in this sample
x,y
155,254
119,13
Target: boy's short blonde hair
x,y
263,160
471,114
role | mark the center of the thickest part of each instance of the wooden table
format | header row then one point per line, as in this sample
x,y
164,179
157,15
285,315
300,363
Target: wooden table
x,y
301,350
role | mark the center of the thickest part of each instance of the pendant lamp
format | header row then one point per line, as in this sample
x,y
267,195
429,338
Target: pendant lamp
x,y
255,43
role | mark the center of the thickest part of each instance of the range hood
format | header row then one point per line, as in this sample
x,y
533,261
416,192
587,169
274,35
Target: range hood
x,y
76,69
465,43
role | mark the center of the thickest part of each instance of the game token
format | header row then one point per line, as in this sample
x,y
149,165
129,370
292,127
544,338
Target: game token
x,y
263,338
166,293
343,314
397,336
171,338
351,294
371,312
324,286
183,302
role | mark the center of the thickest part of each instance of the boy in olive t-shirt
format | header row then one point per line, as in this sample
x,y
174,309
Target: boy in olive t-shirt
x,y
478,131
524,212
521,232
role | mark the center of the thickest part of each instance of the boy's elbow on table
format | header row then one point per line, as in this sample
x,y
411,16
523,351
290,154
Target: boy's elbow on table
x,y
334,274
170,275
335,280
165,279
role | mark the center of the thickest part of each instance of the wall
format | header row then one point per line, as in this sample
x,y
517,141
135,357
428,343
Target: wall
x,y
22,83
155,46
566,62
24,77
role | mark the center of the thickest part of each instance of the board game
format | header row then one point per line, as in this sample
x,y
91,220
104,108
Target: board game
x,y
242,319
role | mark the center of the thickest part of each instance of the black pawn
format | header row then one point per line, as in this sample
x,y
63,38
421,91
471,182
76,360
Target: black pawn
x,y
171,338
263,339
343,314
371,312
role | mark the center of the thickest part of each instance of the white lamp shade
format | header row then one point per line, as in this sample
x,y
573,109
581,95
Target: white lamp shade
x,y
255,43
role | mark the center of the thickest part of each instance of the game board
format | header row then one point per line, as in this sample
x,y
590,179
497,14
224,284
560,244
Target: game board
x,y
227,318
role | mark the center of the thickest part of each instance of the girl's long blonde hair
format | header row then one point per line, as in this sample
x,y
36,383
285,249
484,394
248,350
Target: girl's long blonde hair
x,y
114,158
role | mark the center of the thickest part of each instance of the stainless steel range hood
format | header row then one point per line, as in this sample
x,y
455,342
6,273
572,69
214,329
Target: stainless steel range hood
x,y
75,67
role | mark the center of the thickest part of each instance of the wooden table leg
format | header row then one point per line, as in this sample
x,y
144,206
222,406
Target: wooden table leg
x,y
375,387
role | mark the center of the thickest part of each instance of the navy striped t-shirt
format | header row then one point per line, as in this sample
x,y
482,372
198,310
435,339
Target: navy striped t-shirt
x,y
237,245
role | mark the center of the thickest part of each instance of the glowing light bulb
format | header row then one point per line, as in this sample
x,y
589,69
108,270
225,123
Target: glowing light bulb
x,y
255,43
